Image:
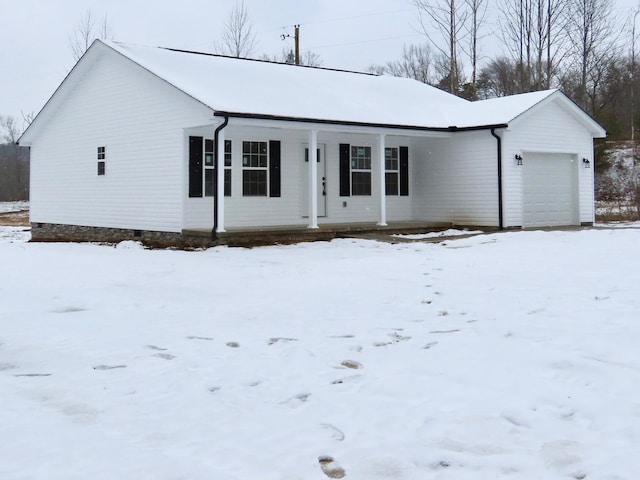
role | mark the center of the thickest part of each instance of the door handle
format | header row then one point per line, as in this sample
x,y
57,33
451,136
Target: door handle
x,y
324,185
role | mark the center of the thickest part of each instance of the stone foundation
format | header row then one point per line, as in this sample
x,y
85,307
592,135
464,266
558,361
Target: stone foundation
x,y
53,232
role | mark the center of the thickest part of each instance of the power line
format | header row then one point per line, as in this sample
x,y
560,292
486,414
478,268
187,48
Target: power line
x,y
356,16
365,41
340,19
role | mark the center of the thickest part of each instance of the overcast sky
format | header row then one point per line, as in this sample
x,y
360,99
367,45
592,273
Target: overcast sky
x,y
352,34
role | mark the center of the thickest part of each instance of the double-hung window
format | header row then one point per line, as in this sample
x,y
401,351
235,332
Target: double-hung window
x,y
102,156
254,169
260,168
209,168
392,171
227,168
360,170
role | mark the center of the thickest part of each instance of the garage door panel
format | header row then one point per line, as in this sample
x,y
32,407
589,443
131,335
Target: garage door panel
x,y
548,190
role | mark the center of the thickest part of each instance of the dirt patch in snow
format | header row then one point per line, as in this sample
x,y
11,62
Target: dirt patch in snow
x,y
15,219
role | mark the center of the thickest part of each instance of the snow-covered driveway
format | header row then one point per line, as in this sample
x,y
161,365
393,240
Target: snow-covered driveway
x,y
512,356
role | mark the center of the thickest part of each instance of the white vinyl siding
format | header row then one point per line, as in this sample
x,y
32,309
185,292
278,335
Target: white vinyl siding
x,y
140,119
551,130
458,179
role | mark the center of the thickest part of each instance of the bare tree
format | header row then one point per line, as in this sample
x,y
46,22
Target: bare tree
x,y
533,32
311,59
447,18
238,39
27,118
498,78
87,31
477,13
594,34
14,162
416,62
308,58
9,131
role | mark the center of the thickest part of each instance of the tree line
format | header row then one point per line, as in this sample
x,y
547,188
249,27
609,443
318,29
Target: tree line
x,y
582,47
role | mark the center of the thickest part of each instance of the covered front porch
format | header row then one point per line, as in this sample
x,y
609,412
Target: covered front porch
x,y
367,178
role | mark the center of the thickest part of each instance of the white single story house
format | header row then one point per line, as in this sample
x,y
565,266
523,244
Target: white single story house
x,y
157,143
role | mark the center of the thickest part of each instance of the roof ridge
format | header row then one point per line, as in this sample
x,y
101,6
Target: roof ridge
x,y
259,60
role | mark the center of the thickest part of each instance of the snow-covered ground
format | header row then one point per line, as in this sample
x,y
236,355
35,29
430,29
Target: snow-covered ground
x,y
505,356
451,232
13,206
14,234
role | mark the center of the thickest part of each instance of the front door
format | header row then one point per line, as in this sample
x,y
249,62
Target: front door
x,y
321,187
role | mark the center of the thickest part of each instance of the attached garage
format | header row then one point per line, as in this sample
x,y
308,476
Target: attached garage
x,y
550,188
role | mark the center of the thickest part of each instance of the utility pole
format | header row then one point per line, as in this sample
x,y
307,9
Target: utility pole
x,y
297,40
297,44
633,79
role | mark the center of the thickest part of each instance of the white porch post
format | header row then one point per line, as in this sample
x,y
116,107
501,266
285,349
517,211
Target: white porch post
x,y
220,182
381,183
313,179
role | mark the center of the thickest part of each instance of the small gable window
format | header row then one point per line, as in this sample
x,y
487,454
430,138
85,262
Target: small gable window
x,y
102,156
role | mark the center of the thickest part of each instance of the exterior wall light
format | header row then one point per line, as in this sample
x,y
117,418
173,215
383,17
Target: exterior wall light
x,y
518,159
586,163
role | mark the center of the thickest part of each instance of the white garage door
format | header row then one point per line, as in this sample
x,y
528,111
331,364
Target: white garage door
x,y
549,190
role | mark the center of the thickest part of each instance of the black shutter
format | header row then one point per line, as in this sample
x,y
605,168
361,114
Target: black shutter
x,y
404,171
195,166
274,168
345,170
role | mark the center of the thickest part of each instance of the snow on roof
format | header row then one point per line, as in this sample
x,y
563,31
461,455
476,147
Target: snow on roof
x,y
267,88
498,110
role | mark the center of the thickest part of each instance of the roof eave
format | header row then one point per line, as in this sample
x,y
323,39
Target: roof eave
x,y
350,123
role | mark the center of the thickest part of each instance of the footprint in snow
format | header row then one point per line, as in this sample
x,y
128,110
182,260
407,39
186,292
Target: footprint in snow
x,y
274,340
336,433
154,347
69,309
32,375
330,467
233,344
349,379
165,356
445,331
353,364
297,399
429,345
195,337
214,389
395,338
342,336
108,367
